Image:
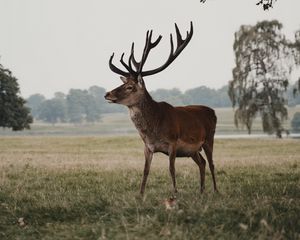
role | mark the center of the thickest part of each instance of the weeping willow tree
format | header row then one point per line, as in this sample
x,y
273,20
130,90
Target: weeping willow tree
x,y
264,60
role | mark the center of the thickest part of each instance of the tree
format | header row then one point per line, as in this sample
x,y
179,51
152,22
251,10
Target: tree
x,y
14,113
61,104
97,103
264,62
52,111
172,96
199,95
222,97
75,105
34,103
83,105
92,109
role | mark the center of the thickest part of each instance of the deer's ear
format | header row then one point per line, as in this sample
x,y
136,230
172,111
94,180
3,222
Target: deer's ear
x,y
124,79
141,81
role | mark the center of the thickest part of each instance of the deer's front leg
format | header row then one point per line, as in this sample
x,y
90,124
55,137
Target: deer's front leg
x,y
172,157
148,159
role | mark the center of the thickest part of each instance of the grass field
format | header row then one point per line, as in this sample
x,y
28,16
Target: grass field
x,y
87,188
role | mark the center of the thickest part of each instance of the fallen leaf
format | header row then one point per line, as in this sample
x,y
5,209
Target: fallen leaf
x,y
170,203
165,231
21,222
243,226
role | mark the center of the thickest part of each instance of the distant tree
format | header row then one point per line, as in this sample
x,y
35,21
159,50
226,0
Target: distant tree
x,y
14,113
97,102
60,96
83,105
52,111
92,109
76,105
200,95
101,104
173,96
98,93
222,99
61,103
295,123
34,103
261,76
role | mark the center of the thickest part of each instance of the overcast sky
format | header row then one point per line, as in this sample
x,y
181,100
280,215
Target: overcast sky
x,y
55,45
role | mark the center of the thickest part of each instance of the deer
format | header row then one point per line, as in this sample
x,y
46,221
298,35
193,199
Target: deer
x,y
180,131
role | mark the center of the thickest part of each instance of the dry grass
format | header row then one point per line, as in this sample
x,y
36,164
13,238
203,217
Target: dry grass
x,y
87,188
108,153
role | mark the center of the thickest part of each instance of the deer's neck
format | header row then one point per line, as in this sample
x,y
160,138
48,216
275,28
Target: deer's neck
x,y
145,115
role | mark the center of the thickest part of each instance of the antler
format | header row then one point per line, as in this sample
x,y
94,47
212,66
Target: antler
x,y
115,69
181,44
148,46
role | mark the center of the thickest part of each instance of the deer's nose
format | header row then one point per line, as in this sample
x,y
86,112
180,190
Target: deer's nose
x,y
107,95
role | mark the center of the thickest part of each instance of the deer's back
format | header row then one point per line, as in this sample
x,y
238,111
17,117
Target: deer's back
x,y
193,123
200,114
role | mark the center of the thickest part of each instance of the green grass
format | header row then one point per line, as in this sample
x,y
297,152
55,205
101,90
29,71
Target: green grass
x,y
87,188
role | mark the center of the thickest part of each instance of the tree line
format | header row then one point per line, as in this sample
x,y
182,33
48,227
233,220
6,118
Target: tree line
x,y
77,106
87,106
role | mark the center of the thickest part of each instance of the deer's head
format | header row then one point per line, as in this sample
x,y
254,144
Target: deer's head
x,y
133,88
129,93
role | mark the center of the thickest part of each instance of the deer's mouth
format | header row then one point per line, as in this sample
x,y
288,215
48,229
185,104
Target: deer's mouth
x,y
111,99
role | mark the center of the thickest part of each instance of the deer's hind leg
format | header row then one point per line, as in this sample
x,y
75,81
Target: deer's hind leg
x,y
200,161
172,157
208,149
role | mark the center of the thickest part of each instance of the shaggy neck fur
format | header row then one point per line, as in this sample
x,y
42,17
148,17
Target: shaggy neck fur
x,y
145,115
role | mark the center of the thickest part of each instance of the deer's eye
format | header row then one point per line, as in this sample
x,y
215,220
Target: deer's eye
x,y
129,88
